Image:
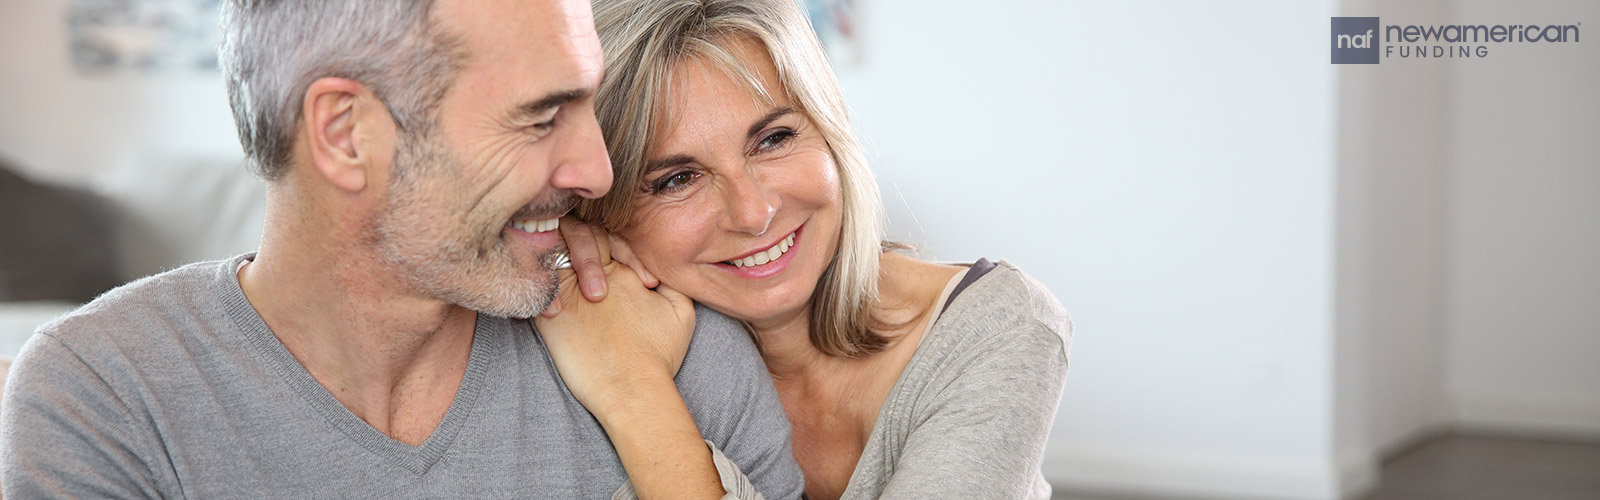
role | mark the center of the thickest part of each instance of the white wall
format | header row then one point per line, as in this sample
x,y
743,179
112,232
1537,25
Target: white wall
x,y
1394,168
1469,241
1166,169
60,126
1525,234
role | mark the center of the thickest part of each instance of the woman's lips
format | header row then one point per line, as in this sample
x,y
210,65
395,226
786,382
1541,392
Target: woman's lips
x,y
765,262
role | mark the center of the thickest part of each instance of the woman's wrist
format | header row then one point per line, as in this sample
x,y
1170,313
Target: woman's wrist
x,y
634,394
657,440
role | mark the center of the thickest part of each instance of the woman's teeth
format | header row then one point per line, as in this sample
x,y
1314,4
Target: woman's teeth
x,y
535,226
771,254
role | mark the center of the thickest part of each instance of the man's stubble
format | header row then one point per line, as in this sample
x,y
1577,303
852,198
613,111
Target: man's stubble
x,y
428,236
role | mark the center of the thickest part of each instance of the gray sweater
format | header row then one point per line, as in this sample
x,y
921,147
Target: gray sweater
x,y
969,415
173,387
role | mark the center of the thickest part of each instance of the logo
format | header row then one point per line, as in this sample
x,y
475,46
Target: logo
x,y
1355,40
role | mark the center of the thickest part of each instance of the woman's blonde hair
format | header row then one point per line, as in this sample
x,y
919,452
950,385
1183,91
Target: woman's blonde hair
x,y
643,41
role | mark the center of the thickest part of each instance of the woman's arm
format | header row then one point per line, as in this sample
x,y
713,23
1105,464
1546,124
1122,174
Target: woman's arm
x,y
618,357
738,403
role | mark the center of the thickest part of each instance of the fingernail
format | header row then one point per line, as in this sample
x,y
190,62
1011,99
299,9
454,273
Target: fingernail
x,y
596,287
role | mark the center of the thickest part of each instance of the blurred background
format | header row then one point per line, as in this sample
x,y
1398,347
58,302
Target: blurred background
x,y
1290,279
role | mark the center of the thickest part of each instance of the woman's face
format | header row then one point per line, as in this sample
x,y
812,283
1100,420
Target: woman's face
x,y
739,205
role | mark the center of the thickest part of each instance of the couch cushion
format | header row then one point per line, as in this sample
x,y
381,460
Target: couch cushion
x,y
174,209
59,242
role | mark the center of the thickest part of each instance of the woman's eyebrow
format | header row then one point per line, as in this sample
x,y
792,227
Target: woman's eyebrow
x,y
675,160
668,162
767,120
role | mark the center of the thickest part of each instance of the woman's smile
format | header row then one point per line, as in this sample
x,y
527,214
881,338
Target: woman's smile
x,y
767,261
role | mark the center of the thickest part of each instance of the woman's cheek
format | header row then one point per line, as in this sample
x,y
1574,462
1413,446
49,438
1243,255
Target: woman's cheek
x,y
666,237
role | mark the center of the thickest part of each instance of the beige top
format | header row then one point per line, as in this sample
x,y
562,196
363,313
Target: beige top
x,y
970,413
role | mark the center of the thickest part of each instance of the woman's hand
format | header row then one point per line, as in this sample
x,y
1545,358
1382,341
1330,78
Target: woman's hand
x,y
607,350
618,357
590,249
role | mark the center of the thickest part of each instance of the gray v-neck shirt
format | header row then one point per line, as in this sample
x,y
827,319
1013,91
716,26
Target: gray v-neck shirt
x,y
173,387
970,413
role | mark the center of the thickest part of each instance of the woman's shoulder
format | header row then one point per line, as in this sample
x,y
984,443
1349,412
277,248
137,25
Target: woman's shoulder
x,y
1005,303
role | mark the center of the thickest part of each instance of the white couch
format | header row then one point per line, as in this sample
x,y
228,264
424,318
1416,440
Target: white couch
x,y
169,210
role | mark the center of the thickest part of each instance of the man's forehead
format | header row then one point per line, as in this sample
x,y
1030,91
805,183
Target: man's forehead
x,y
532,43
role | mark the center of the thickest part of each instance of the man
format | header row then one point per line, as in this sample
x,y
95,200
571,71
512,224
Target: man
x,y
417,156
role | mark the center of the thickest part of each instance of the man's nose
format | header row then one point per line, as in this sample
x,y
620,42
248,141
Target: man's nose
x,y
750,206
581,163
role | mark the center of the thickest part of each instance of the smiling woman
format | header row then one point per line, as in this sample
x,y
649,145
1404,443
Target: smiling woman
x,y
740,185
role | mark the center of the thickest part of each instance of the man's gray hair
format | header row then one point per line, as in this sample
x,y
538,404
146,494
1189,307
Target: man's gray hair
x,y
272,50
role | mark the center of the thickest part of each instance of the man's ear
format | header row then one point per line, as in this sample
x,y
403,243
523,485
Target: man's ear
x,y
350,133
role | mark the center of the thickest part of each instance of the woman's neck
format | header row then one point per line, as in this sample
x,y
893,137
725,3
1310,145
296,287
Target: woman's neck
x,y
908,291
786,345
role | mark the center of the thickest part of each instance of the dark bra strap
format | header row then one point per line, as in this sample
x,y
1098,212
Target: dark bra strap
x,y
978,269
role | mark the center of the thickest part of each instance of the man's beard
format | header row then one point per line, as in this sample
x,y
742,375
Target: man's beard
x,y
449,256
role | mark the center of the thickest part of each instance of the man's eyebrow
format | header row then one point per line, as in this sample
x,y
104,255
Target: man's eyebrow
x,y
550,100
767,120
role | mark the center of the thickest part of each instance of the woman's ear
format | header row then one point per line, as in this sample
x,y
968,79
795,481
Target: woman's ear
x,y
350,133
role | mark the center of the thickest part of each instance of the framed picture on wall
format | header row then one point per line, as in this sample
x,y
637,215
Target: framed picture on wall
x,y
143,36
838,25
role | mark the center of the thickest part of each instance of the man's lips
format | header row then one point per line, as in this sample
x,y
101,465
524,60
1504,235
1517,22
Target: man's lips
x,y
541,217
534,225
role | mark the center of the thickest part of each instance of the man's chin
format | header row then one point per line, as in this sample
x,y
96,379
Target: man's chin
x,y
523,298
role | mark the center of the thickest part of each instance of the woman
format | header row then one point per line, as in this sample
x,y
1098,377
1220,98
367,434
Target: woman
x,y
739,184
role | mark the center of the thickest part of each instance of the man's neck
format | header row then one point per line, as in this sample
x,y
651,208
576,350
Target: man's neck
x,y
395,360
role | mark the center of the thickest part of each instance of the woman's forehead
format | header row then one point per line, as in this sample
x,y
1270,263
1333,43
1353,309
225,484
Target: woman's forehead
x,y
728,84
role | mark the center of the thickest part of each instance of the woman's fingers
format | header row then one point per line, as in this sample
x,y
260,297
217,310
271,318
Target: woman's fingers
x,y
564,278
680,302
622,253
683,307
589,250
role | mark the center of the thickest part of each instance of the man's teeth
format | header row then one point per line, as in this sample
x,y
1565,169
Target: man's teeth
x,y
535,226
771,254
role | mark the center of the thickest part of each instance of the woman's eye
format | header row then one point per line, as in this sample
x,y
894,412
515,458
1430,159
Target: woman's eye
x,y
674,182
776,139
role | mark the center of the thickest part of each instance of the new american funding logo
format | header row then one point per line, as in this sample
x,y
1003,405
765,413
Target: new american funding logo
x,y
1363,40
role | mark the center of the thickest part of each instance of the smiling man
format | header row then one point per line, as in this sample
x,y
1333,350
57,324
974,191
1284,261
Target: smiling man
x,y
418,155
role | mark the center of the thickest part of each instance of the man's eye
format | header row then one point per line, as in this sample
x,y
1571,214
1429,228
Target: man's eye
x,y
548,123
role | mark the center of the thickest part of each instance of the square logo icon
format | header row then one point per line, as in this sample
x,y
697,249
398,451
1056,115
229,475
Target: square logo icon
x,y
1355,40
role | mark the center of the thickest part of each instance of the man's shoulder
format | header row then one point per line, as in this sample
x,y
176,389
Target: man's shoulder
x,y
718,332
721,353
725,384
141,315
722,364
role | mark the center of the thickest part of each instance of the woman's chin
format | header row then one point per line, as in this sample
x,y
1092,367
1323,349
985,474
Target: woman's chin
x,y
762,314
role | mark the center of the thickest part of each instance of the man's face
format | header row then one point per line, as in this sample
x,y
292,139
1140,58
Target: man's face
x,y
469,214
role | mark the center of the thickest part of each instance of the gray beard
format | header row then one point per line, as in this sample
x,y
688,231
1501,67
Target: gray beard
x,y
422,250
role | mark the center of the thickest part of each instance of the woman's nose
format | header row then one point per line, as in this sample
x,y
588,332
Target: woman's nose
x,y
750,206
